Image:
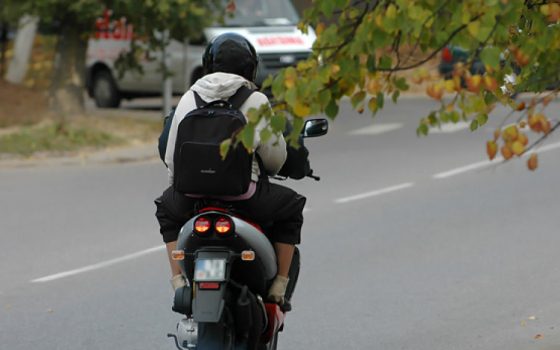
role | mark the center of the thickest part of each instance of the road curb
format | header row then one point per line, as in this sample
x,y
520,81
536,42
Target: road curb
x,y
129,154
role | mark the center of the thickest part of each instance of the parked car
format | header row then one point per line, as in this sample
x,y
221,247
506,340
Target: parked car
x,y
271,29
451,55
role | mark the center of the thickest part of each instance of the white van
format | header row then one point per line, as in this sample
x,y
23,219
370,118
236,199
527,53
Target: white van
x,y
270,25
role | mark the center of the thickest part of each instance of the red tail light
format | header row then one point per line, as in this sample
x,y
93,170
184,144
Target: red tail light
x,y
202,225
209,285
446,55
223,226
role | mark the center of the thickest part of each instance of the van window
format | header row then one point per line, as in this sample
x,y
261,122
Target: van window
x,y
253,13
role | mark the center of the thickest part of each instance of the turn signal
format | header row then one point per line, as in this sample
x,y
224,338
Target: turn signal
x,y
202,225
178,255
223,226
247,255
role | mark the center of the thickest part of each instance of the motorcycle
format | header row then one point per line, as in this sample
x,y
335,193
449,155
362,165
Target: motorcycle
x,y
231,265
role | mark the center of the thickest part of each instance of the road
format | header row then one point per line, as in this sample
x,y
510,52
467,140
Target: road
x,y
409,243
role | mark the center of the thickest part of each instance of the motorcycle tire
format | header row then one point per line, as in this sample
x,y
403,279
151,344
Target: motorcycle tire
x,y
215,336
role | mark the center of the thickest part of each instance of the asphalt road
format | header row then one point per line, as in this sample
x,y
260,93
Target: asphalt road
x,y
409,243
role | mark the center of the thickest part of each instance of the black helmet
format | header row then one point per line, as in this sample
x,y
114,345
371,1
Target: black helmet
x,y
231,53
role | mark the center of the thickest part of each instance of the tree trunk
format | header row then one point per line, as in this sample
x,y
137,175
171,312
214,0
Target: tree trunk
x,y
4,44
23,47
67,88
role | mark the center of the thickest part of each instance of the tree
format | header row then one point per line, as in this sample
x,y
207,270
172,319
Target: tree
x,y
363,47
73,22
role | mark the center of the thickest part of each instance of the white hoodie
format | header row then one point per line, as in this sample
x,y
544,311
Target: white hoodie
x,y
221,86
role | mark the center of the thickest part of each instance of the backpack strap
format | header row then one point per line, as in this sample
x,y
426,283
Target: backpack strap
x,y
239,98
198,100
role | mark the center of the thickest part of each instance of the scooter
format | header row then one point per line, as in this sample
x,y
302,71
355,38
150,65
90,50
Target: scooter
x,y
231,264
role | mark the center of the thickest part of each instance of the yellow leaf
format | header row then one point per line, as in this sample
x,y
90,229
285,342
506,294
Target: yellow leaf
x,y
289,82
491,149
379,21
372,104
301,110
473,28
391,11
533,162
320,28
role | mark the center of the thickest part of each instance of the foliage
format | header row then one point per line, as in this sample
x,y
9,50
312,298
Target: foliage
x,y
363,47
181,17
74,21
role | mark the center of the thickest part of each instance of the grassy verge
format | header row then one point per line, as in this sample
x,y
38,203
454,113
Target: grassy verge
x,y
82,134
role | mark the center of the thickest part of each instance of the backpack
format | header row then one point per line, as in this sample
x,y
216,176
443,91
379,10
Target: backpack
x,y
162,140
199,167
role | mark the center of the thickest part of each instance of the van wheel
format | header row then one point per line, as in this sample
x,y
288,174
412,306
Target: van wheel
x,y
105,92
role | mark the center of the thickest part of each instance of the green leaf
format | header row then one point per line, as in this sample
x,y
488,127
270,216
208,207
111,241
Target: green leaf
x,y
395,96
380,100
491,56
253,115
278,122
385,62
248,136
423,129
268,82
474,125
371,63
266,134
455,117
357,98
224,148
324,97
482,119
401,84
332,109
327,7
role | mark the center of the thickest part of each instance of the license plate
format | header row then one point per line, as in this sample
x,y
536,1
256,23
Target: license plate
x,y
210,270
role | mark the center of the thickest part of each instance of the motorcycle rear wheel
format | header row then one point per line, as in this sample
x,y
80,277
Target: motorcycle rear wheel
x,y
215,336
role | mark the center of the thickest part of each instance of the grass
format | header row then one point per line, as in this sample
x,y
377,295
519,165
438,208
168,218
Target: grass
x,y
56,138
87,133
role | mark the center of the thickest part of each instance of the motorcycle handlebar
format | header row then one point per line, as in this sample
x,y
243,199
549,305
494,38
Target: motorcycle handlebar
x,y
310,175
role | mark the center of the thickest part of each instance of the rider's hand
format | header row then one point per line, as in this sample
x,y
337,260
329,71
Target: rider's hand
x,y
178,281
278,289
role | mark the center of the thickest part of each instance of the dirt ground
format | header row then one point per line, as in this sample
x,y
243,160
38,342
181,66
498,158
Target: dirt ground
x,y
21,106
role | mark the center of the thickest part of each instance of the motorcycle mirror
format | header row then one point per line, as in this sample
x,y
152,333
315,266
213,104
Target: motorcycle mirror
x,y
315,127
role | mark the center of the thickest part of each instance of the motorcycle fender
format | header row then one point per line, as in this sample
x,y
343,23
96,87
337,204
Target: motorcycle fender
x,y
208,305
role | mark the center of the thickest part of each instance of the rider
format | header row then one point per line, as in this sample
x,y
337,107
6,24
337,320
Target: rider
x,y
230,62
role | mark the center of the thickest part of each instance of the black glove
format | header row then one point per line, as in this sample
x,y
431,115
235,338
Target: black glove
x,y
297,164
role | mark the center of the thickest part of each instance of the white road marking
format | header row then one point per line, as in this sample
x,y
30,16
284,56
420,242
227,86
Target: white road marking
x,y
376,129
549,147
449,128
486,163
98,265
374,193
466,168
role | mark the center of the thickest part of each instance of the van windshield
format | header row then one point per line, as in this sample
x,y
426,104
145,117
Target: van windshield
x,y
253,13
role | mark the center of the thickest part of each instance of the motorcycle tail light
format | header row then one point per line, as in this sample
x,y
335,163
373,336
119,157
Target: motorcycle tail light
x,y
209,285
223,226
202,225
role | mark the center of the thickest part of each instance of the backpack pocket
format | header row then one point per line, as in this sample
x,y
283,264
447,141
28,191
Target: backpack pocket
x,y
202,171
